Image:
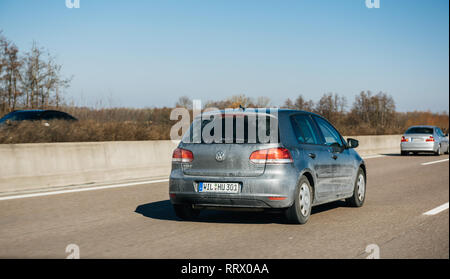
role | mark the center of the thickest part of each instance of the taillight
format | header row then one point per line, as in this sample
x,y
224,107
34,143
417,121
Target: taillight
x,y
430,139
182,155
404,139
271,156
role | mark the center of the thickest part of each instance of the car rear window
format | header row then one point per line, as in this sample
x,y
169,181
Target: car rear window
x,y
419,130
235,128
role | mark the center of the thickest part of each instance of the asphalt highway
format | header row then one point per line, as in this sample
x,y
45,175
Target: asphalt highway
x,y
405,216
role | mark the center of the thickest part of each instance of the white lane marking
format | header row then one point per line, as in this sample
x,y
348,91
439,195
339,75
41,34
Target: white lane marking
x,y
434,162
437,210
80,190
373,156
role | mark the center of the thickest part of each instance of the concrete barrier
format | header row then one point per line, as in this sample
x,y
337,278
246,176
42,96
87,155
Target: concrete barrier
x,y
37,166
28,167
377,144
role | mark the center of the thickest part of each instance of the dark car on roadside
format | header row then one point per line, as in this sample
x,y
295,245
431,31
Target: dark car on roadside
x,y
35,115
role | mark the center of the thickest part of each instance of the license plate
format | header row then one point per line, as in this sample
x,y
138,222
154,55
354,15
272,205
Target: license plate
x,y
218,187
417,140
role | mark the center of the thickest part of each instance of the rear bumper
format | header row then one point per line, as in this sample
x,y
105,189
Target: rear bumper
x,y
255,191
225,201
418,147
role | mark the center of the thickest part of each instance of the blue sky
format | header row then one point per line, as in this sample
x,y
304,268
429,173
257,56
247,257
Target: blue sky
x,y
148,53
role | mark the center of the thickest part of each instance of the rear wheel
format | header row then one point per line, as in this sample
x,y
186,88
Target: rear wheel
x,y
359,193
403,153
185,211
300,210
438,151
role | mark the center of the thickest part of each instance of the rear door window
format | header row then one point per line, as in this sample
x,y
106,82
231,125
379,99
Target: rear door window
x,y
304,129
330,134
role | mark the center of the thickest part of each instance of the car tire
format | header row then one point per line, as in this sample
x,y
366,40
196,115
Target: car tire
x,y
403,153
300,210
185,211
359,194
438,151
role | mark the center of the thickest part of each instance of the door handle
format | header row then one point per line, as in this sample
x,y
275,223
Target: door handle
x,y
312,155
334,156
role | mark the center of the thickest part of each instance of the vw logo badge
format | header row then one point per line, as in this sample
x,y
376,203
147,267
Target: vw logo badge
x,y
220,156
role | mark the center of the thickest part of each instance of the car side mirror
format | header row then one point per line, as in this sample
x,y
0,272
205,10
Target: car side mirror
x,y
352,143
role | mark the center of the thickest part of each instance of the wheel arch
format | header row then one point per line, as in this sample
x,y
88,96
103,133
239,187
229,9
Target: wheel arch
x,y
363,167
311,179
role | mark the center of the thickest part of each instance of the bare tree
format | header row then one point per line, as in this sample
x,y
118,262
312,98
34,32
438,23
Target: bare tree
x,y
236,101
331,106
42,82
13,75
288,104
10,76
3,47
184,102
33,76
302,104
262,102
53,84
376,112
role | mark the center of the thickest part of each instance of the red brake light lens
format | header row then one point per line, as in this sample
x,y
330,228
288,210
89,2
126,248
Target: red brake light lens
x,y
259,156
271,156
182,155
430,139
404,139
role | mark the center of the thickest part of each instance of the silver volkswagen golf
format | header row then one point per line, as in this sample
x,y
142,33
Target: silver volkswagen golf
x,y
263,159
424,139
